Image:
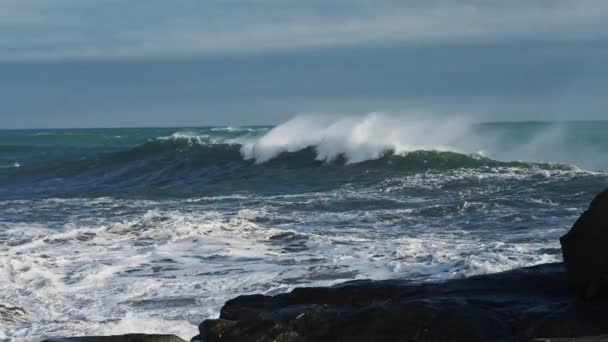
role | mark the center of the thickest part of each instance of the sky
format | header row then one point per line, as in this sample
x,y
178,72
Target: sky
x,y
118,63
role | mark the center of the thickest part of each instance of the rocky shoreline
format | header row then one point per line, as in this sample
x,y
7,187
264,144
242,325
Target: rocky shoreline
x,y
550,302
518,305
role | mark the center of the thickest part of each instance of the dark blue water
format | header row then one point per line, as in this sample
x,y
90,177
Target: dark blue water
x,y
152,229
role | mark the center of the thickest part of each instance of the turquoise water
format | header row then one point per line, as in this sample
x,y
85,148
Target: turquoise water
x,y
121,230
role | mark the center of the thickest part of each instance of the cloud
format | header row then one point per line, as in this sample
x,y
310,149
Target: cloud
x,y
121,29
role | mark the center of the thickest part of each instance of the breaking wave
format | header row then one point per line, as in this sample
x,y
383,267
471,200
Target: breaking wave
x,y
324,151
183,153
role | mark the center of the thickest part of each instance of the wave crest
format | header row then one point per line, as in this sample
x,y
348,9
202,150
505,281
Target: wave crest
x,y
356,139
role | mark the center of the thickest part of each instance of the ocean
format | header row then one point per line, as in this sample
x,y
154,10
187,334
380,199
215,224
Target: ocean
x,y
107,231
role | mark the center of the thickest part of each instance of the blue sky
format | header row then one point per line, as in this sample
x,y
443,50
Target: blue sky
x,y
91,63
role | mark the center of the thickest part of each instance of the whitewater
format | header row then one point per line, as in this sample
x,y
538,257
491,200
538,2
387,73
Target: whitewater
x,y
109,231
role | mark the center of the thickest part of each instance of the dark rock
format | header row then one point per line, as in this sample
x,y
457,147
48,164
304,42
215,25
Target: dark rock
x,y
119,338
584,248
603,338
518,305
214,328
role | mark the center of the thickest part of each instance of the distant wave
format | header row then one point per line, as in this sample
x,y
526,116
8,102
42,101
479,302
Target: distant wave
x,y
318,151
233,129
13,165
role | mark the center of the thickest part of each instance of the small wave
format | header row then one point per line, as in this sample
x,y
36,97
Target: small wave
x,y
11,166
232,129
191,137
204,139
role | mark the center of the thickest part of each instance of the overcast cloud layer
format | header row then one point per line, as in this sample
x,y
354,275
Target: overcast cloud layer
x,y
84,29
189,62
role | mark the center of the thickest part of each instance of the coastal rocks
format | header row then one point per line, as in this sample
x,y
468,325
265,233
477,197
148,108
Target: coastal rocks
x,y
585,249
119,338
519,305
603,338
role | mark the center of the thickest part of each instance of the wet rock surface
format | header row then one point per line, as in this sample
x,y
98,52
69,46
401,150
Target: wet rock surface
x,y
518,305
119,338
585,249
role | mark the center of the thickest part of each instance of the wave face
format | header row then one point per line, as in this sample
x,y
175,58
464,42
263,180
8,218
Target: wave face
x,y
109,231
167,162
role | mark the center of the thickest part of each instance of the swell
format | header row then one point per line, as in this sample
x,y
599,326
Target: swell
x,y
205,152
173,163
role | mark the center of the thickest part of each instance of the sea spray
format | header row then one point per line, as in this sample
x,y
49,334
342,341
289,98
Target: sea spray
x,y
360,138
357,138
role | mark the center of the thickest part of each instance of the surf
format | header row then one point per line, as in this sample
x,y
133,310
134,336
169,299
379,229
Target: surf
x,y
309,151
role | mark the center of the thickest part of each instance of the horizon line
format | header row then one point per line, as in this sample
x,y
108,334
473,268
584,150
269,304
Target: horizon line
x,y
276,124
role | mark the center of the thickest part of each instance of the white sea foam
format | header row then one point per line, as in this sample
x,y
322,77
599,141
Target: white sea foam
x,y
191,137
206,139
356,138
233,129
165,270
13,165
367,137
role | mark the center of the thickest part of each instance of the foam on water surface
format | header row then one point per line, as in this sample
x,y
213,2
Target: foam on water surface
x,y
114,266
153,231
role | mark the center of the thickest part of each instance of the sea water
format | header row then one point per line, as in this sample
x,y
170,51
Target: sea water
x,y
108,231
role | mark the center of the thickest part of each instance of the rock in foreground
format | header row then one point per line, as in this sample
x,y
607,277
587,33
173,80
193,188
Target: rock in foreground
x,y
585,249
518,305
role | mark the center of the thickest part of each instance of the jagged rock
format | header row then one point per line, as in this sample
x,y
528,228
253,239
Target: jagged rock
x,y
520,305
585,250
119,338
603,338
